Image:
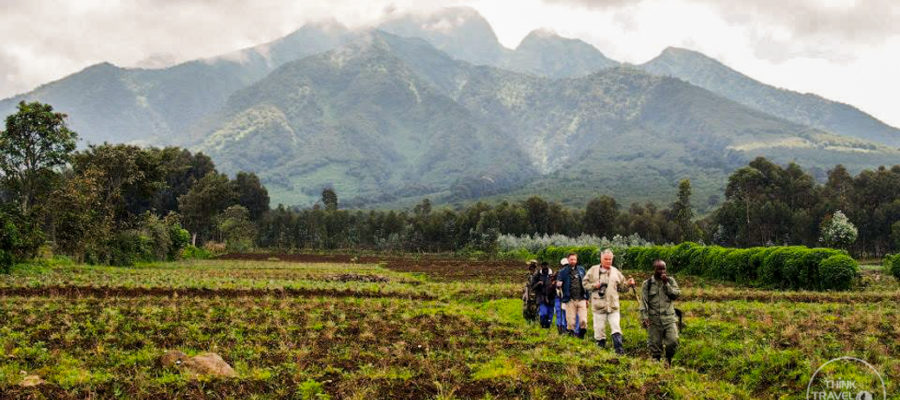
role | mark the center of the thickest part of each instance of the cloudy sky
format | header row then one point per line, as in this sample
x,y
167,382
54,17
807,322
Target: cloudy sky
x,y
845,50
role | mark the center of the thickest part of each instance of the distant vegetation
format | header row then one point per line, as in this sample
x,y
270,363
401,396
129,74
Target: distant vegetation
x,y
121,204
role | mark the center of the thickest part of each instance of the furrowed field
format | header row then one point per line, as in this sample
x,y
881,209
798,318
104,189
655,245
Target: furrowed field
x,y
319,327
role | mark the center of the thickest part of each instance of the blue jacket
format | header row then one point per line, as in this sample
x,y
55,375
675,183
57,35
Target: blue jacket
x,y
565,276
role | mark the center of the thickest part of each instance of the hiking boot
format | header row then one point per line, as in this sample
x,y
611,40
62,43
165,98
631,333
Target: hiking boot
x,y
617,343
571,333
601,343
560,329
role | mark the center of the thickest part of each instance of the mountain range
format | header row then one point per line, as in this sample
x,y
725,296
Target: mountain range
x,y
433,106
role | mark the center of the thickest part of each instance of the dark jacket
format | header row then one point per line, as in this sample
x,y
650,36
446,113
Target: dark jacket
x,y
541,284
565,276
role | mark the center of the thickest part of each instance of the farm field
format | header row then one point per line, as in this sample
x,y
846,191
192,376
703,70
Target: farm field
x,y
339,327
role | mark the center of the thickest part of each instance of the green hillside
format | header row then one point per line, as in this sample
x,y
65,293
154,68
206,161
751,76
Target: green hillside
x,y
362,117
806,109
360,120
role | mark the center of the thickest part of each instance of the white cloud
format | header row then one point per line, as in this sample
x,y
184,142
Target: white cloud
x,y
846,50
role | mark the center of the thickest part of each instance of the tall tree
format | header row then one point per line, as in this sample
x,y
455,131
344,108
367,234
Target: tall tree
x,y
600,216
36,141
252,194
202,204
181,169
129,178
682,213
329,199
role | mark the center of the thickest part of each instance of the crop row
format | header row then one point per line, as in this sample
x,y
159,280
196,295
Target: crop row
x,y
289,348
261,278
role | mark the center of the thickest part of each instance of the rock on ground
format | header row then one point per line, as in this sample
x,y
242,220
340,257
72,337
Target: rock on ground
x,y
201,364
31,381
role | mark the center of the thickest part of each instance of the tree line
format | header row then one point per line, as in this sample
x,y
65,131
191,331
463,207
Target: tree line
x,y
117,204
769,204
112,204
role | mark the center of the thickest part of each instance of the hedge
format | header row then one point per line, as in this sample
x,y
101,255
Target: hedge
x,y
790,267
587,255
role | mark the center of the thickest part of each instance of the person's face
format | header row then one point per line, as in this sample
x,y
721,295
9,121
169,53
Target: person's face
x,y
659,269
606,260
573,260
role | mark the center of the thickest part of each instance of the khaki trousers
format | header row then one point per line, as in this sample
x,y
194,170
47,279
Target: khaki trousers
x,y
576,308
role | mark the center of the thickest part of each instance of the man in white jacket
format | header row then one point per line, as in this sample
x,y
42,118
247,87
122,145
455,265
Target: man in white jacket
x,y
605,282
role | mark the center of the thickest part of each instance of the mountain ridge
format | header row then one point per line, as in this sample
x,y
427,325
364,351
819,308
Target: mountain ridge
x,y
413,121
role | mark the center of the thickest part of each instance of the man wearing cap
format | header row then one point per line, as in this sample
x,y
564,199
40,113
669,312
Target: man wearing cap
x,y
574,297
658,312
544,294
605,282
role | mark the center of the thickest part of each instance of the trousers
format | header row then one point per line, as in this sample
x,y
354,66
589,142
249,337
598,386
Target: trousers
x,y
600,320
576,313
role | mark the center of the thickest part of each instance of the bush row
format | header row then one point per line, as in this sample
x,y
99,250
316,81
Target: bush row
x,y
587,255
791,267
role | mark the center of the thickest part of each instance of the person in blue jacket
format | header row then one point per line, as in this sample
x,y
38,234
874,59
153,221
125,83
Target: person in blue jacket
x,y
574,296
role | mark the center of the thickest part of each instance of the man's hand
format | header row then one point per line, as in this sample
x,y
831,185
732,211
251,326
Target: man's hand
x,y
539,283
646,323
665,278
597,285
630,282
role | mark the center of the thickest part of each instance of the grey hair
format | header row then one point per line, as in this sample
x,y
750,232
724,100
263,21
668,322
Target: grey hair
x,y
606,251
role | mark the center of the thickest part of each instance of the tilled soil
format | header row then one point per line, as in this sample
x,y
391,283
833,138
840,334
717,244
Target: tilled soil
x,y
435,268
93,291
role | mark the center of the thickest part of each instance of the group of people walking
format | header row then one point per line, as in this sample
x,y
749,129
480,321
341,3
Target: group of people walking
x,y
568,293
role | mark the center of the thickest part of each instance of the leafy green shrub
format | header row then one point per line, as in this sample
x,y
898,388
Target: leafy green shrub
x,y
680,258
194,252
19,238
802,271
892,264
717,260
773,266
181,238
739,267
837,272
128,247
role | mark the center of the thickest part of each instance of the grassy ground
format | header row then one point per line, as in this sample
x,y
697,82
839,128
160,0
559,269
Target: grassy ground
x,y
368,331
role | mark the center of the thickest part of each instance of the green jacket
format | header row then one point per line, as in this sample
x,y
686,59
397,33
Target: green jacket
x,y
657,301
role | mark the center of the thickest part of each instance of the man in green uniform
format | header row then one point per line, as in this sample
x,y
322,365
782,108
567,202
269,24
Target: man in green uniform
x,y
658,312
